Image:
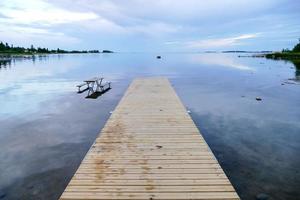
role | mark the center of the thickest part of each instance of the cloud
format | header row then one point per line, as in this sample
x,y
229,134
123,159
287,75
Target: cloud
x,y
39,12
172,42
102,26
41,18
38,22
20,35
219,42
29,30
154,29
170,10
114,23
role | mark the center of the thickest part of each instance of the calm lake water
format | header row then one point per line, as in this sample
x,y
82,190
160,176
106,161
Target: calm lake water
x,y
46,127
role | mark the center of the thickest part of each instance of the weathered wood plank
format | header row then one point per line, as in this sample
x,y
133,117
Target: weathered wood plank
x,y
147,182
150,149
150,195
165,188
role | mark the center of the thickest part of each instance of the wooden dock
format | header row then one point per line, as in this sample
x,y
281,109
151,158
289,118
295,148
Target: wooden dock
x,y
150,149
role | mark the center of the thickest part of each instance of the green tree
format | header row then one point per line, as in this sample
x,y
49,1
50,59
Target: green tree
x,y
7,47
2,46
297,47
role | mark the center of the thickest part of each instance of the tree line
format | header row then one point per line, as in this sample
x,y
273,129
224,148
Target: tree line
x,y
296,48
10,49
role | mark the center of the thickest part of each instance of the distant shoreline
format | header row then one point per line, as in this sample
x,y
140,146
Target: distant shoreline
x,y
16,55
293,57
7,50
283,55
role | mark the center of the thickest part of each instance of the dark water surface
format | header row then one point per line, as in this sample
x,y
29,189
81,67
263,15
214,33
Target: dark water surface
x,y
46,127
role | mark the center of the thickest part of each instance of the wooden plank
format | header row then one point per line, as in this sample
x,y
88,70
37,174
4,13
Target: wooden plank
x,y
150,195
150,149
151,162
149,157
157,166
165,188
74,182
146,170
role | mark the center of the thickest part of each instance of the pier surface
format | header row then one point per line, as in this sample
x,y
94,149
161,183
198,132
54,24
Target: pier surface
x,y
150,149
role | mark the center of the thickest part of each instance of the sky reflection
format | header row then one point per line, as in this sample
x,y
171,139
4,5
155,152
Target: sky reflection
x,y
46,127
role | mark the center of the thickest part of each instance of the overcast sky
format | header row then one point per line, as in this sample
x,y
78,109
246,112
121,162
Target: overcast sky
x,y
151,25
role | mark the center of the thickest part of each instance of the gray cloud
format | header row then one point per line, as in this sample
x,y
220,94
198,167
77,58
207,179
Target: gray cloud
x,y
200,24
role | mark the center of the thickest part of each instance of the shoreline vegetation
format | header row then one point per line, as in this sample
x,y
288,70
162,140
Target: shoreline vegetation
x,y
7,51
287,55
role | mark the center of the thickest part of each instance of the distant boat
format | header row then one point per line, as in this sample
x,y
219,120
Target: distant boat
x,y
158,57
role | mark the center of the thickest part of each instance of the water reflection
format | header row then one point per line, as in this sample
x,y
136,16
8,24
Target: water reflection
x,y
297,75
296,79
5,63
97,94
297,69
221,60
46,127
